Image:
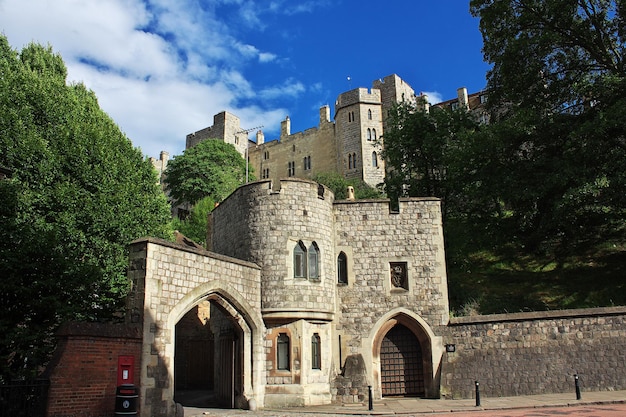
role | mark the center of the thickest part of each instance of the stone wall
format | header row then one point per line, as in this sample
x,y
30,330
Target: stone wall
x,y
83,371
534,353
168,280
374,238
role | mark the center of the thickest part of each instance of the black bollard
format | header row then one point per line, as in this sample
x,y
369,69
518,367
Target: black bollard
x,y
477,394
370,401
578,397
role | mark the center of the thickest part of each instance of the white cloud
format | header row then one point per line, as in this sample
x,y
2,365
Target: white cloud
x,y
434,97
160,70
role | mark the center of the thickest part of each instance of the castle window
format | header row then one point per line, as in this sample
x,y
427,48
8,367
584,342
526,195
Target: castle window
x,y
342,268
374,160
454,105
282,352
349,161
299,260
354,160
369,114
369,134
374,134
316,351
314,261
266,155
307,163
291,169
349,116
483,98
265,173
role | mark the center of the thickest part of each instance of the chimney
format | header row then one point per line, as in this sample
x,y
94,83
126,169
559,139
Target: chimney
x,y
285,127
260,137
350,193
463,100
324,114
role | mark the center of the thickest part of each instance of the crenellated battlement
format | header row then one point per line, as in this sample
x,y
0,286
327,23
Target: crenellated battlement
x,y
358,96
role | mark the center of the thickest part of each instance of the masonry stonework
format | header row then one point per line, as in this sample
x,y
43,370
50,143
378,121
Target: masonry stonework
x,y
312,300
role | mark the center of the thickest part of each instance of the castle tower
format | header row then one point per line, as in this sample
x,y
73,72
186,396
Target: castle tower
x,y
226,127
359,127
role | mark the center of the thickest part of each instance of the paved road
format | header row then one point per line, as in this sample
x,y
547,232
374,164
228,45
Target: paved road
x,y
612,410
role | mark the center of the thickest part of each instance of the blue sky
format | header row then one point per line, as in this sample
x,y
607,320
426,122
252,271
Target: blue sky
x,y
162,68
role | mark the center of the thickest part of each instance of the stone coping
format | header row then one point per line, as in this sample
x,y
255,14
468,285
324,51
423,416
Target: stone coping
x,y
197,251
538,315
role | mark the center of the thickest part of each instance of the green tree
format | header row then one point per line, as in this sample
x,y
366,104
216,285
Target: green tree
x,y
212,168
195,225
339,186
79,193
424,149
556,92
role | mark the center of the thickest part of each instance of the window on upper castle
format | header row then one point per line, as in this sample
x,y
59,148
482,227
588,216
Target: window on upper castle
x,y
369,134
342,268
354,160
369,114
454,105
266,155
316,351
349,116
374,134
307,163
349,161
291,169
265,173
299,260
314,261
374,160
282,352
483,98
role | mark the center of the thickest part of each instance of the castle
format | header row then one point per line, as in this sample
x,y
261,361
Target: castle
x,y
349,144
300,300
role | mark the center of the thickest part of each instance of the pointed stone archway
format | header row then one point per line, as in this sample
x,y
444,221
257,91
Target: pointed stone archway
x,y
406,356
235,345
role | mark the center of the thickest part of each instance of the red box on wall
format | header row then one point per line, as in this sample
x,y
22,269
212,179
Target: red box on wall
x,y
125,370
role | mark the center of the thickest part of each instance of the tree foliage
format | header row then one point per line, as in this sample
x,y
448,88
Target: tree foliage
x,y
79,193
195,225
339,186
212,168
423,149
556,91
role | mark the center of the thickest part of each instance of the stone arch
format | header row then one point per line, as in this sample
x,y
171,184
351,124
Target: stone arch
x,y
431,348
250,324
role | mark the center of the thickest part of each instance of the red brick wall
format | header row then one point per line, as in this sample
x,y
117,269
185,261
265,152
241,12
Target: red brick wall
x,y
83,372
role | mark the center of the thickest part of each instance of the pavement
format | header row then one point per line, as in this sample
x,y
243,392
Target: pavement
x,y
413,406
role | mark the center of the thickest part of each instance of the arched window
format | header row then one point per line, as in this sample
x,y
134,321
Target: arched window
x,y
354,160
374,134
342,268
369,134
349,161
299,260
369,114
282,352
374,160
314,261
316,351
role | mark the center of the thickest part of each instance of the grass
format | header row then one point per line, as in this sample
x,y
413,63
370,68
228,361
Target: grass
x,y
488,283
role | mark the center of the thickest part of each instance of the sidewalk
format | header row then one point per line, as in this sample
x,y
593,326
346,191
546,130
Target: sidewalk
x,y
400,406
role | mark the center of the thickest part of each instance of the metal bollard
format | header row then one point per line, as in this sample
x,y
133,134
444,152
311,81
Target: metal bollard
x,y
370,399
578,397
477,394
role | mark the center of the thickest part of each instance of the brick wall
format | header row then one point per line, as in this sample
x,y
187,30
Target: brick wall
x,y
83,372
533,353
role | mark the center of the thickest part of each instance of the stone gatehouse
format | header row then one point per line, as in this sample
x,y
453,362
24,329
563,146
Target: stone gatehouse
x,y
302,300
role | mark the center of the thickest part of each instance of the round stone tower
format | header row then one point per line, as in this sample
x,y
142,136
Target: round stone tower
x,y
288,231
